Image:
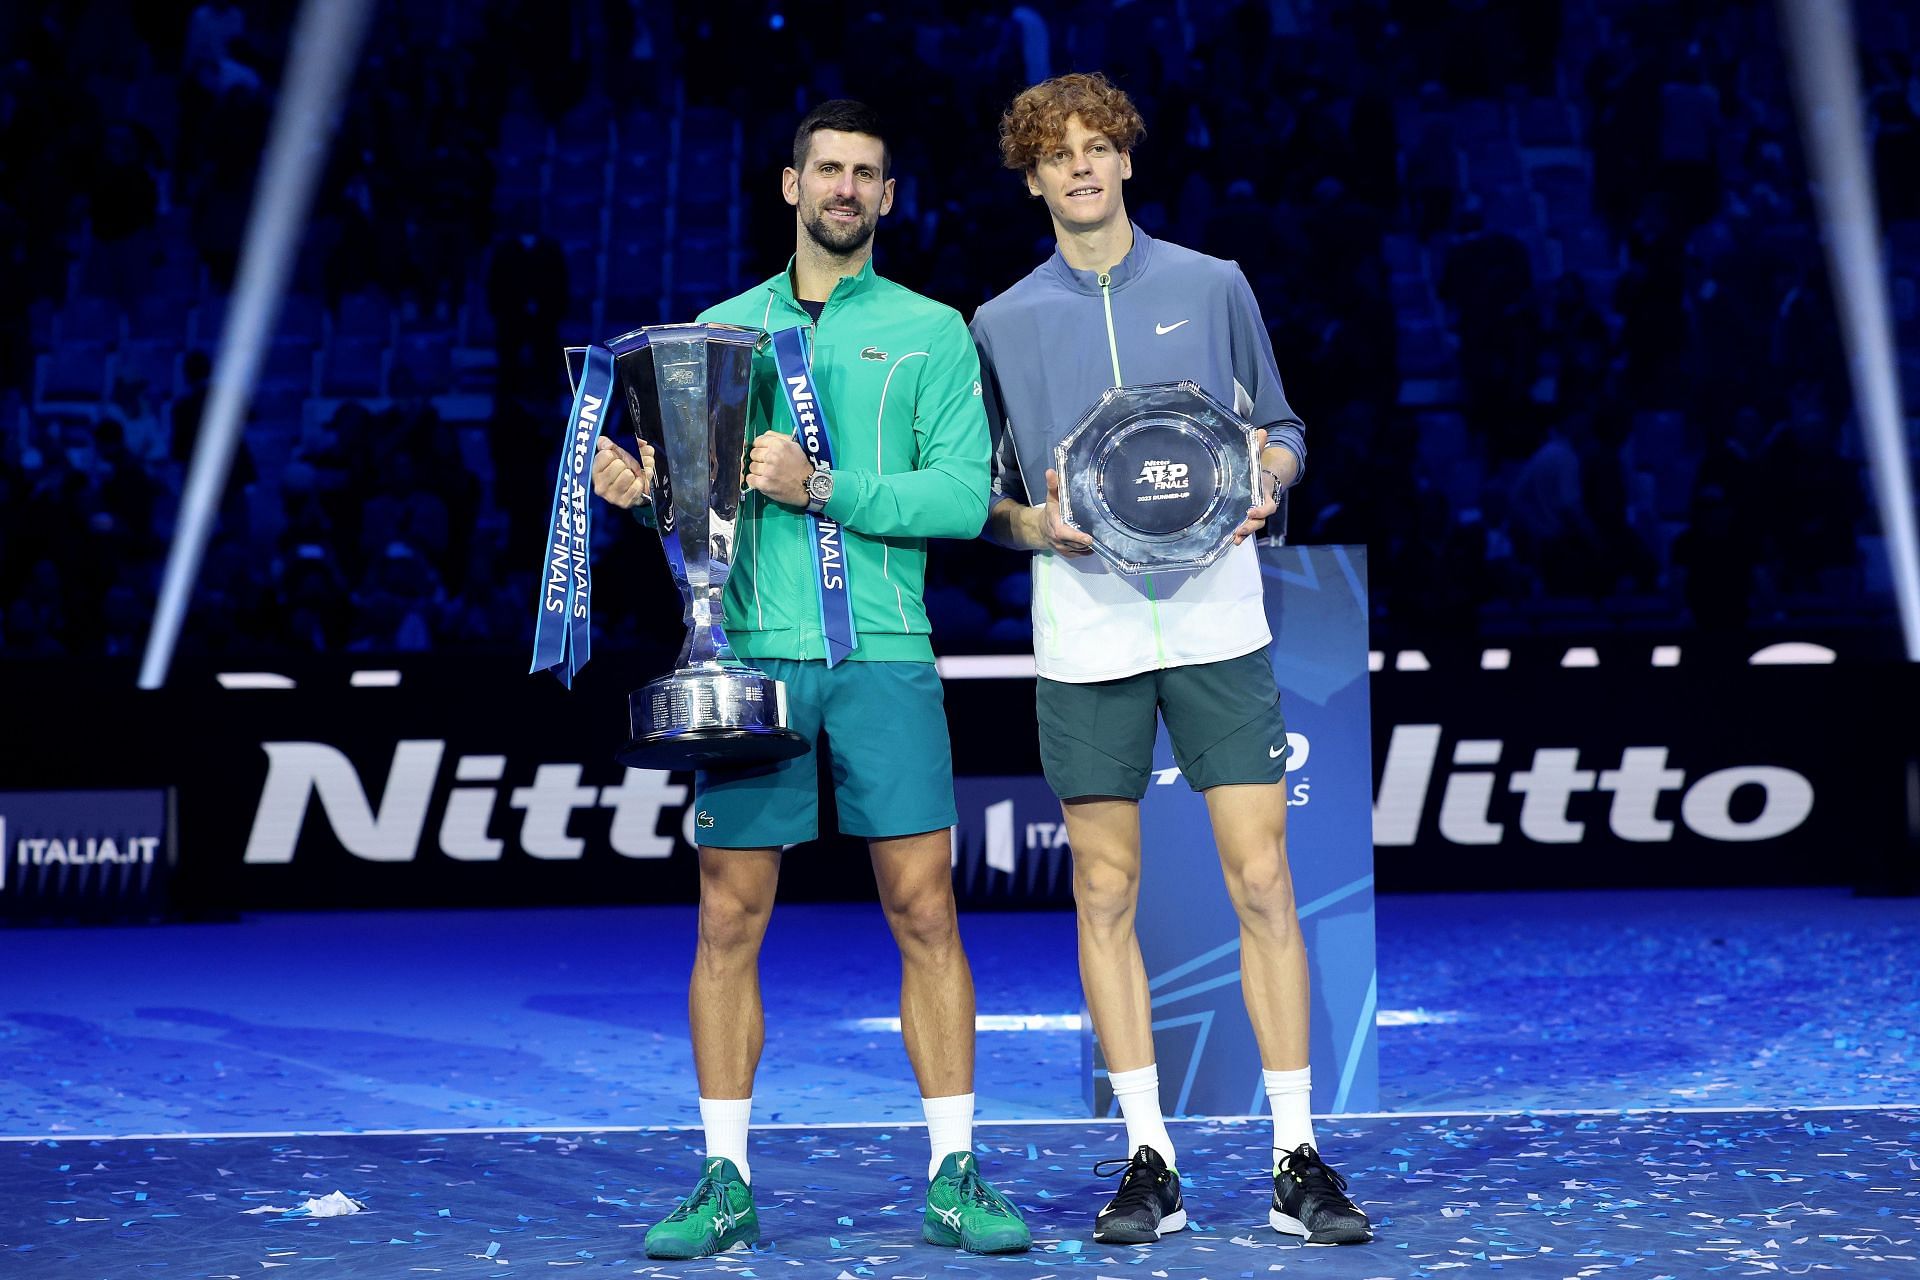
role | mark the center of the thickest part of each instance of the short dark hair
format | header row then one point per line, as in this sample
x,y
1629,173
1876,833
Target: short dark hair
x,y
842,115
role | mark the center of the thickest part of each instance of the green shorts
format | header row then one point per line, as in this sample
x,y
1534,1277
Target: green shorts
x,y
1223,717
885,725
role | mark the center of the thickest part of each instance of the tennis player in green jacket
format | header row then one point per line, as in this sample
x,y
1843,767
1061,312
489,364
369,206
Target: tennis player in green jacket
x,y
826,595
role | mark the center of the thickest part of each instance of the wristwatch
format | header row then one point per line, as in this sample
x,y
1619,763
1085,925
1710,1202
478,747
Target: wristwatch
x,y
1269,473
819,488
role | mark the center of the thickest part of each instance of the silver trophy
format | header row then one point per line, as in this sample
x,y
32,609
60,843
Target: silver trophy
x,y
687,387
1158,476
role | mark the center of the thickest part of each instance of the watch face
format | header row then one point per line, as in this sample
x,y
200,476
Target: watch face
x,y
820,486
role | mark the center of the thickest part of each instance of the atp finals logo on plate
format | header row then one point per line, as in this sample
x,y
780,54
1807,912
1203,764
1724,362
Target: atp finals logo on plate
x,y
1163,474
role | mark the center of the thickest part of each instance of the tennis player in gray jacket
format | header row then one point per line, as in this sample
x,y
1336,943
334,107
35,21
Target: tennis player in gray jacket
x,y
1114,307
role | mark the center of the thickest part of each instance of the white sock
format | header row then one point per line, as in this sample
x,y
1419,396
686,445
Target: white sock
x,y
1291,1093
725,1120
1139,1095
949,1127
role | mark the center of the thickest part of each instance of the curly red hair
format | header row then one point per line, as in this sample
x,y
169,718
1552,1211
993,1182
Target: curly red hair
x,y
1037,119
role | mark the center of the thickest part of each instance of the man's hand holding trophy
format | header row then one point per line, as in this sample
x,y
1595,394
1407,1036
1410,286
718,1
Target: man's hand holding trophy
x,y
621,478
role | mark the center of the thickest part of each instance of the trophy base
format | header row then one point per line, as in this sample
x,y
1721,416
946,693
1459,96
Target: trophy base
x,y
709,716
712,749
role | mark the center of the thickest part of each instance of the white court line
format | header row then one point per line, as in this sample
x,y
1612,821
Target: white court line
x,y
1021,1122
984,666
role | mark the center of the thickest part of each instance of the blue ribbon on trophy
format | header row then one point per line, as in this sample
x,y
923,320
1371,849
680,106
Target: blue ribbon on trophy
x,y
792,357
563,631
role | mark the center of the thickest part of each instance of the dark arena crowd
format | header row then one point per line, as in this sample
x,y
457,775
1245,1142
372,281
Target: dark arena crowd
x,y
1544,281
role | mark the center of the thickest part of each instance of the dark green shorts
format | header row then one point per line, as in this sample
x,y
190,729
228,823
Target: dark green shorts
x,y
886,729
1223,717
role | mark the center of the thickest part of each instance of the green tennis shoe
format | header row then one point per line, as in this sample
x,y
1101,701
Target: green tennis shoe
x,y
718,1215
963,1212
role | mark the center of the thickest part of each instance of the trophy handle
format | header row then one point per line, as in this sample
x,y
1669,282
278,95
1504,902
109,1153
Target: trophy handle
x,y
573,379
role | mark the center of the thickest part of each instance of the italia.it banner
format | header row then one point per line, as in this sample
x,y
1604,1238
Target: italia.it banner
x,y
85,854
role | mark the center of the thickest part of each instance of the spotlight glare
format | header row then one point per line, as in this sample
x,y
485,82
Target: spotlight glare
x,y
320,60
1820,50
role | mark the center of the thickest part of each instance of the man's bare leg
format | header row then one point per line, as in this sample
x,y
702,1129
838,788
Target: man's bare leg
x,y
1250,829
915,877
1104,832
723,999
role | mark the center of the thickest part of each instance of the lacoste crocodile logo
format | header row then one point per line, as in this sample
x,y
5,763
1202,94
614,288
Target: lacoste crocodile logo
x,y
872,353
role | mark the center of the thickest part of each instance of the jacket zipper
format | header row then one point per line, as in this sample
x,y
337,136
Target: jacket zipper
x,y
1106,301
1113,350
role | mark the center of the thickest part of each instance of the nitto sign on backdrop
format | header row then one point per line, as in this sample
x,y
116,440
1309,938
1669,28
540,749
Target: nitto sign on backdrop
x,y
467,793
1740,804
460,781
1631,775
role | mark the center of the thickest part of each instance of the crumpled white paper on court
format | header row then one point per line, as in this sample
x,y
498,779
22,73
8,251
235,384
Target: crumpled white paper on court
x,y
334,1204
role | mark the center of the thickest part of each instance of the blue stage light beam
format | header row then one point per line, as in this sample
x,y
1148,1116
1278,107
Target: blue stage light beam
x,y
1820,49
320,61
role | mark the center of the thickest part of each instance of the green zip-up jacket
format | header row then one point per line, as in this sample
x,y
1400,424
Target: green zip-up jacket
x,y
900,381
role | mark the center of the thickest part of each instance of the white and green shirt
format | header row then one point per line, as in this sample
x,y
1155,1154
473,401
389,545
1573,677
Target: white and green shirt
x,y
1049,347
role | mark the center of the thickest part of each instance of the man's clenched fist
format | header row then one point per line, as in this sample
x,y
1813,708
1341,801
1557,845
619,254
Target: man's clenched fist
x,y
618,476
778,467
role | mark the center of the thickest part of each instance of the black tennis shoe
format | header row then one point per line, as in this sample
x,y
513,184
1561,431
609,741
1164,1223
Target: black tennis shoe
x,y
1148,1204
1310,1201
